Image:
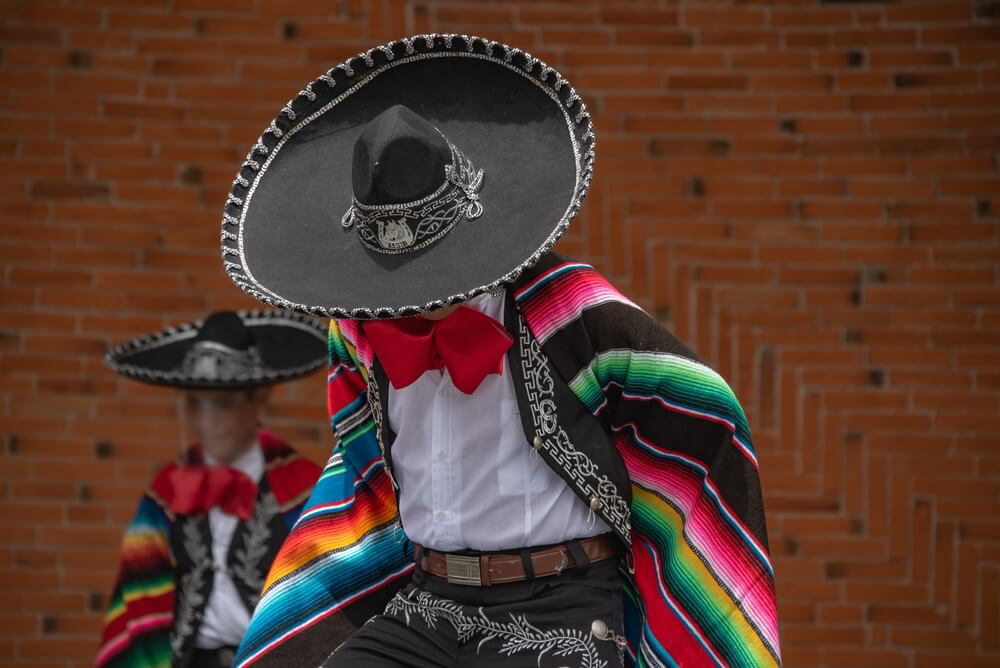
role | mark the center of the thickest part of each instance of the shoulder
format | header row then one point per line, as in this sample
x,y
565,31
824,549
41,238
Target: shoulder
x,y
348,345
563,296
594,334
278,454
553,275
581,319
161,489
289,474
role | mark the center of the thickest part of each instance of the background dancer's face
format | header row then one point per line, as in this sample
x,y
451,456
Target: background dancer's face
x,y
225,421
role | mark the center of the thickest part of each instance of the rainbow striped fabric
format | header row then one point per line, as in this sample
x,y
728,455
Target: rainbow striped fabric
x,y
141,613
700,587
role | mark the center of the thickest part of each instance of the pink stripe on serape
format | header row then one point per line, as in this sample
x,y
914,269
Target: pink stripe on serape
x,y
709,486
133,628
351,331
559,299
730,558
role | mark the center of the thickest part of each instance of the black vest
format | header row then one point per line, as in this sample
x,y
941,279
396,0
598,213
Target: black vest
x,y
253,548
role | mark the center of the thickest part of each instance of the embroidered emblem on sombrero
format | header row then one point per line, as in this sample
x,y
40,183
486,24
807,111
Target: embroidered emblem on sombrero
x,y
213,361
401,228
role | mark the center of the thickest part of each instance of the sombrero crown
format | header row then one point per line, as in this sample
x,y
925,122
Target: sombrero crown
x,y
411,185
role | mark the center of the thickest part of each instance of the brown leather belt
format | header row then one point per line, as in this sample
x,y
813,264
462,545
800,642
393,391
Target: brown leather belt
x,y
490,569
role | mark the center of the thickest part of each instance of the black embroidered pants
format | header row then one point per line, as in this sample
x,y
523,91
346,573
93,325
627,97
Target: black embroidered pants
x,y
573,619
212,658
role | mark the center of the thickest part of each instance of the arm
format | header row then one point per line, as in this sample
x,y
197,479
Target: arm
x,y
699,542
140,613
698,515
345,544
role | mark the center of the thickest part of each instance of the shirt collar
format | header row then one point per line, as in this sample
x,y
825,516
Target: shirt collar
x,y
491,305
250,462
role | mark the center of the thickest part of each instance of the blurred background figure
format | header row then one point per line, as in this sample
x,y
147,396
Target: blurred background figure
x,y
209,525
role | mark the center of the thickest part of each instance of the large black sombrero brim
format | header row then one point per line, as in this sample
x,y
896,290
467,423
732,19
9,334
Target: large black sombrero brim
x,y
289,346
512,115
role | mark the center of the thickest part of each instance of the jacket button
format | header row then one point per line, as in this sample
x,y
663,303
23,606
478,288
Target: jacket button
x,y
599,629
536,443
595,503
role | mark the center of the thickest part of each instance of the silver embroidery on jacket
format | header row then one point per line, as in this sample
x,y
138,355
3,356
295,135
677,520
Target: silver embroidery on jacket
x,y
375,406
253,555
191,599
516,636
540,387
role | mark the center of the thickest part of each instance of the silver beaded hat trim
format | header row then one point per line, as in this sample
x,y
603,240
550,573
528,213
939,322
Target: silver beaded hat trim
x,y
402,228
211,364
349,77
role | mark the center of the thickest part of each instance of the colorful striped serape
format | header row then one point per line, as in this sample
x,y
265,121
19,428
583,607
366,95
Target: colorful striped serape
x,y
701,590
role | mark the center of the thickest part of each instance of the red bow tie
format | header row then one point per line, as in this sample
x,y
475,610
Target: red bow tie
x,y
198,489
468,343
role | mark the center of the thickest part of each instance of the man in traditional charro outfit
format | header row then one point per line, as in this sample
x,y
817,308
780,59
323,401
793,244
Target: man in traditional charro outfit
x,y
528,469
210,524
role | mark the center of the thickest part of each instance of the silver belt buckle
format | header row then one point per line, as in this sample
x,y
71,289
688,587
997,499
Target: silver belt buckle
x,y
463,570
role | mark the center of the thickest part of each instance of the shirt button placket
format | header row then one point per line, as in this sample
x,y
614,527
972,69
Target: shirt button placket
x,y
447,487
435,466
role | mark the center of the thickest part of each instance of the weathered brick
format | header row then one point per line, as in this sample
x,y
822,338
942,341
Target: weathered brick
x,y
875,37
158,21
707,82
707,16
907,58
650,37
736,37
139,110
192,67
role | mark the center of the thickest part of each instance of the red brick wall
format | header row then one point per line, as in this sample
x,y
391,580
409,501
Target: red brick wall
x,y
806,192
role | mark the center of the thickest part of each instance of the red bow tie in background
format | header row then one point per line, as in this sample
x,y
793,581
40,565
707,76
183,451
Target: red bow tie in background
x,y
198,489
468,343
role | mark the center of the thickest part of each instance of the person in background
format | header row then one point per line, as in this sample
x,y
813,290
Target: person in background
x,y
209,525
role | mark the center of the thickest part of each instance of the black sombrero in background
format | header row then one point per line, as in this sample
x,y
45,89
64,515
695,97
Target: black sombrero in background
x,y
227,350
293,233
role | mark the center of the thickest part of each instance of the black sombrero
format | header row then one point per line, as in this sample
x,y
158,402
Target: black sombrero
x,y
227,350
415,175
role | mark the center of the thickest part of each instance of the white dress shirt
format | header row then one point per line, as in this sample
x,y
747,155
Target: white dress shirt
x,y
468,478
226,618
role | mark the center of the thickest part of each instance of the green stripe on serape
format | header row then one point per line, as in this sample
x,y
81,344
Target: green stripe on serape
x,y
341,350
149,651
332,471
148,586
337,350
672,378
